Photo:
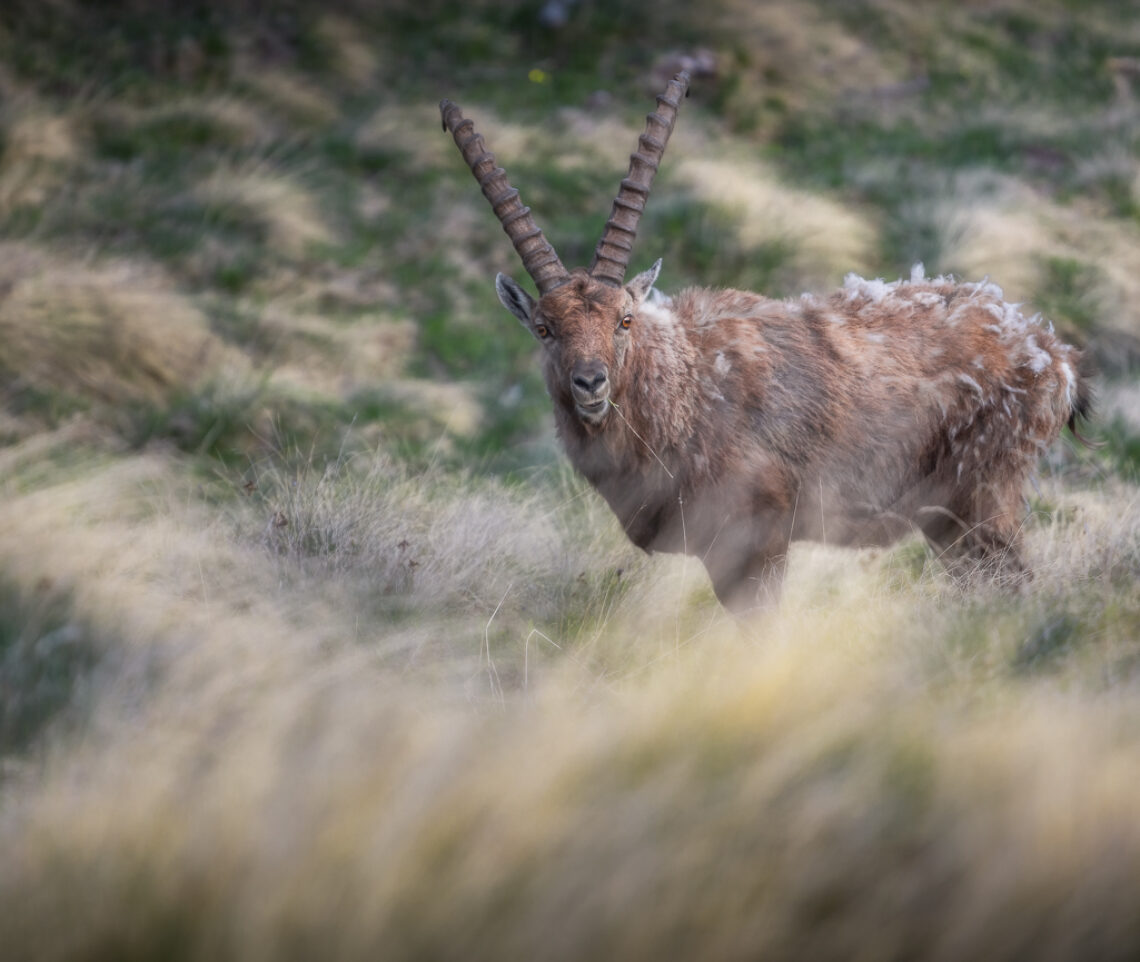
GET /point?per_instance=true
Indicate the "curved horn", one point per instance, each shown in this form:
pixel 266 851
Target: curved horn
pixel 611 258
pixel 538 256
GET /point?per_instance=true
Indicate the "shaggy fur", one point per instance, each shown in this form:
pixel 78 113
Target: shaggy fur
pixel 725 425
pixel 731 424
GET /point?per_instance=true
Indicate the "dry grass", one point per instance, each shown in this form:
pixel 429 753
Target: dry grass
pixel 828 239
pixel 862 770
pixel 338 704
pixel 40 147
pixel 1003 228
pixel 109 332
pixel 306 349
pixel 290 214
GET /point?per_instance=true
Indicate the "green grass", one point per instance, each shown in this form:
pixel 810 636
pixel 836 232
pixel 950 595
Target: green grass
pixel 1121 447
pixel 47 655
pixel 1068 293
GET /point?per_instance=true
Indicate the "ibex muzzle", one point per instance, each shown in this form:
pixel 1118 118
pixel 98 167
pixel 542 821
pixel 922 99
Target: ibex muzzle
pixel 589 383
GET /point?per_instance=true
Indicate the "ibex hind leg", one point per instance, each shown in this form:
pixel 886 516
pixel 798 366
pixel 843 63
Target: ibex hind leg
pixel 981 546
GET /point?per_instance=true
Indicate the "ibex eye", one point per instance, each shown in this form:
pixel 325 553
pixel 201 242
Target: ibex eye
pixel 542 330
pixel 626 320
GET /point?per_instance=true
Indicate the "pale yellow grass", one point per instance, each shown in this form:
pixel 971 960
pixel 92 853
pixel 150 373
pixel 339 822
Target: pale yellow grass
pixel 800 56
pixel 40 147
pixel 414 129
pixel 309 348
pixel 353 58
pixel 309 356
pixel 603 141
pixel 852 772
pixel 290 213
pixel 301 101
pixel 1000 227
pixel 827 238
pixel 112 332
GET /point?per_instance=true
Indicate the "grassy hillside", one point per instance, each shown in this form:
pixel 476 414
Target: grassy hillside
pixel 310 644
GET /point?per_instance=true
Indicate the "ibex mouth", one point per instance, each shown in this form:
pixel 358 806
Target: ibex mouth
pixel 594 412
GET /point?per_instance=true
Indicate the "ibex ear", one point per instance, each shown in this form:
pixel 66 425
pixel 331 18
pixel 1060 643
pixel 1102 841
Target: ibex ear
pixel 641 285
pixel 515 299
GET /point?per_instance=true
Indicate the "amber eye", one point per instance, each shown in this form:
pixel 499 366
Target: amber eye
pixel 542 330
pixel 626 320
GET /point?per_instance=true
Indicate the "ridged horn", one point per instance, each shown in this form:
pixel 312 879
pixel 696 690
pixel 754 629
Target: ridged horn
pixel 611 258
pixel 538 256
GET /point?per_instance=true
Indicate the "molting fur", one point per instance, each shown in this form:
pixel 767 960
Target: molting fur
pixel 725 424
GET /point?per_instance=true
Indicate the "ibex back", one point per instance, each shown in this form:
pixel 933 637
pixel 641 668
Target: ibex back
pixel 724 424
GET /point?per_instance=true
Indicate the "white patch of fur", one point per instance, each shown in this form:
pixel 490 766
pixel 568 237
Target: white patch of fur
pixel 1070 383
pixel 1039 358
pixel 970 383
pixel 711 390
pixel 927 298
pixel 874 337
pixel 917 273
pixel 874 290
pixel 721 364
pixel 984 288
pixel 658 311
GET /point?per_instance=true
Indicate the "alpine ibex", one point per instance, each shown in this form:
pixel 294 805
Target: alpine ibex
pixel 724 424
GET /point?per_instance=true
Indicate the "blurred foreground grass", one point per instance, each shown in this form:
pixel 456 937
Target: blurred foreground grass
pixel 310 647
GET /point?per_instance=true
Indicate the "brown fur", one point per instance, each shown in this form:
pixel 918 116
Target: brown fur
pixel 737 423
pixel 725 425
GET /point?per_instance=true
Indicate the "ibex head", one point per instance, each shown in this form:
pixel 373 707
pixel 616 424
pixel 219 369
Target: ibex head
pixel 585 319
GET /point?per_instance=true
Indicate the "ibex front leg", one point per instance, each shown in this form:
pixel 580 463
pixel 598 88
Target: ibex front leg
pixel 746 564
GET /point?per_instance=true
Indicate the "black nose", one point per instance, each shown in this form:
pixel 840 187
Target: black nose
pixel 590 379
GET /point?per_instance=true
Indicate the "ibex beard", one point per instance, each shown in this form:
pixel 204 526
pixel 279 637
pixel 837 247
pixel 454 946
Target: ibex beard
pixel 725 425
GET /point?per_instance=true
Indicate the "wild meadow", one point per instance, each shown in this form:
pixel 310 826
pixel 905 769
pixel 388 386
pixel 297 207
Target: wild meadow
pixel 311 644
